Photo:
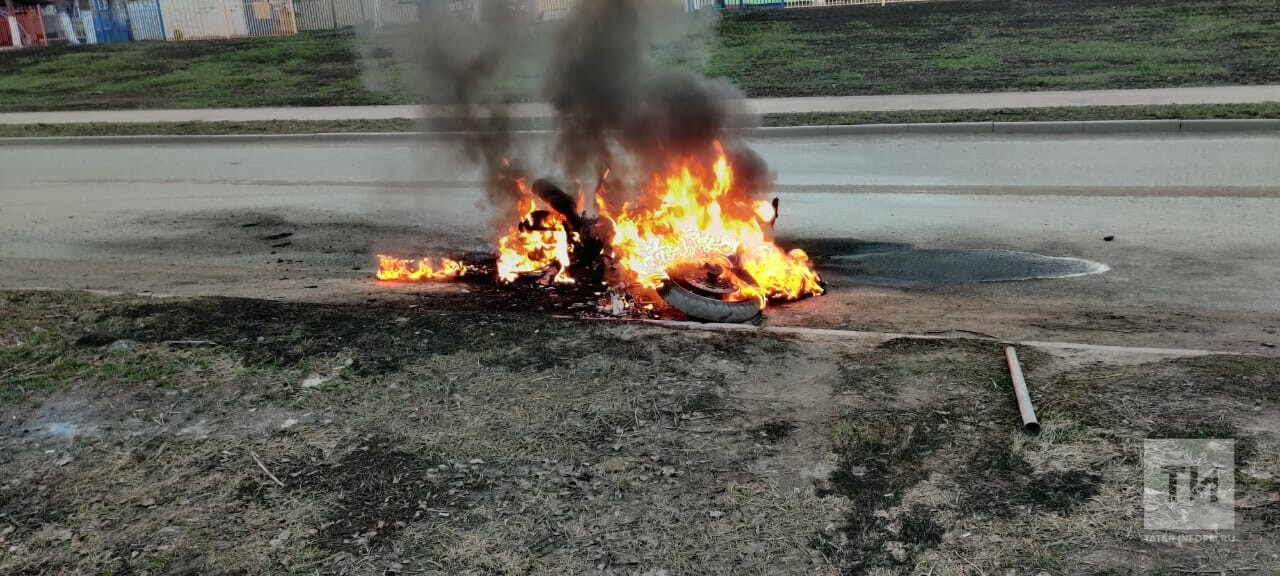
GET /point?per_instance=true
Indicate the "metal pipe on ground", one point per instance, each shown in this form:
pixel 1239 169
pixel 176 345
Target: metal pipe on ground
pixel 1029 422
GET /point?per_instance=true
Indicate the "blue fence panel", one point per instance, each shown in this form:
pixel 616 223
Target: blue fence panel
pixel 732 4
pixel 145 20
pixel 110 21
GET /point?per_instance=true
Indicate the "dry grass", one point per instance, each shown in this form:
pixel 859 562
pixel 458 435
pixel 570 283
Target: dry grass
pixel 533 446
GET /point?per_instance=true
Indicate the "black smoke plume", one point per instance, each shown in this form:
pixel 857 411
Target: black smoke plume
pixel 613 101
pixel 458 55
pixel 615 108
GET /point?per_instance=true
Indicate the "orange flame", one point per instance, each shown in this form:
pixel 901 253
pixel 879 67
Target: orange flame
pixel 390 268
pixel 691 215
pixel 537 242
pixel 696 218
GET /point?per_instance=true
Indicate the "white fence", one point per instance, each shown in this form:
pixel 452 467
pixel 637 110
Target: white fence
pixel 208 19
pixel 333 14
pixel 94 21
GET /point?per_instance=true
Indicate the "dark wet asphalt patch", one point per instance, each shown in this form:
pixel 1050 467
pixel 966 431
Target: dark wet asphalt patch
pixel 921 268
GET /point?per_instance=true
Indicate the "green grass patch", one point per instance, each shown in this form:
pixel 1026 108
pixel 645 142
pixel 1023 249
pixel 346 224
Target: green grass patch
pixel 1268 110
pixel 999 45
pixel 933 47
pixel 38 351
pixel 310 69
pixel 209 128
pixel 45 361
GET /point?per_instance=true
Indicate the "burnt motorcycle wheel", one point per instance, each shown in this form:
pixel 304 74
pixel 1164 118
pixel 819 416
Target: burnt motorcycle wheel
pixel 706 308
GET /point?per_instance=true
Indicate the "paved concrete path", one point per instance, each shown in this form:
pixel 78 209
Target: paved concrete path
pixel 1154 96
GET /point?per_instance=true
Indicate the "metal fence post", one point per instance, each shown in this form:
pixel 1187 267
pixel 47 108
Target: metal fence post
pixel 291 25
pixel 160 17
pixel 226 19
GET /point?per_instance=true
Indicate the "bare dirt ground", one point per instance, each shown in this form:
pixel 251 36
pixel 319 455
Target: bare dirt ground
pixel 240 436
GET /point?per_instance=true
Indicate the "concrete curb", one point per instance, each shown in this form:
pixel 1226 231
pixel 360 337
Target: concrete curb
pixel 1130 126
pixel 1229 125
pixel 1066 128
pixel 212 139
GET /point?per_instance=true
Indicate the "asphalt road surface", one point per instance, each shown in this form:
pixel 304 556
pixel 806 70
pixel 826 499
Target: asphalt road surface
pixel 1192 262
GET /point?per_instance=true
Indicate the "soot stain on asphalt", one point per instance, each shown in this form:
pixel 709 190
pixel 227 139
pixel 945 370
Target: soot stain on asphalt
pixel 854 262
pixel 914 267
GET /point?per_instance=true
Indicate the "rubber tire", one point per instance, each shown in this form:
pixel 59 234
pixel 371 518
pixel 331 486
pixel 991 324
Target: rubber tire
pixel 709 309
